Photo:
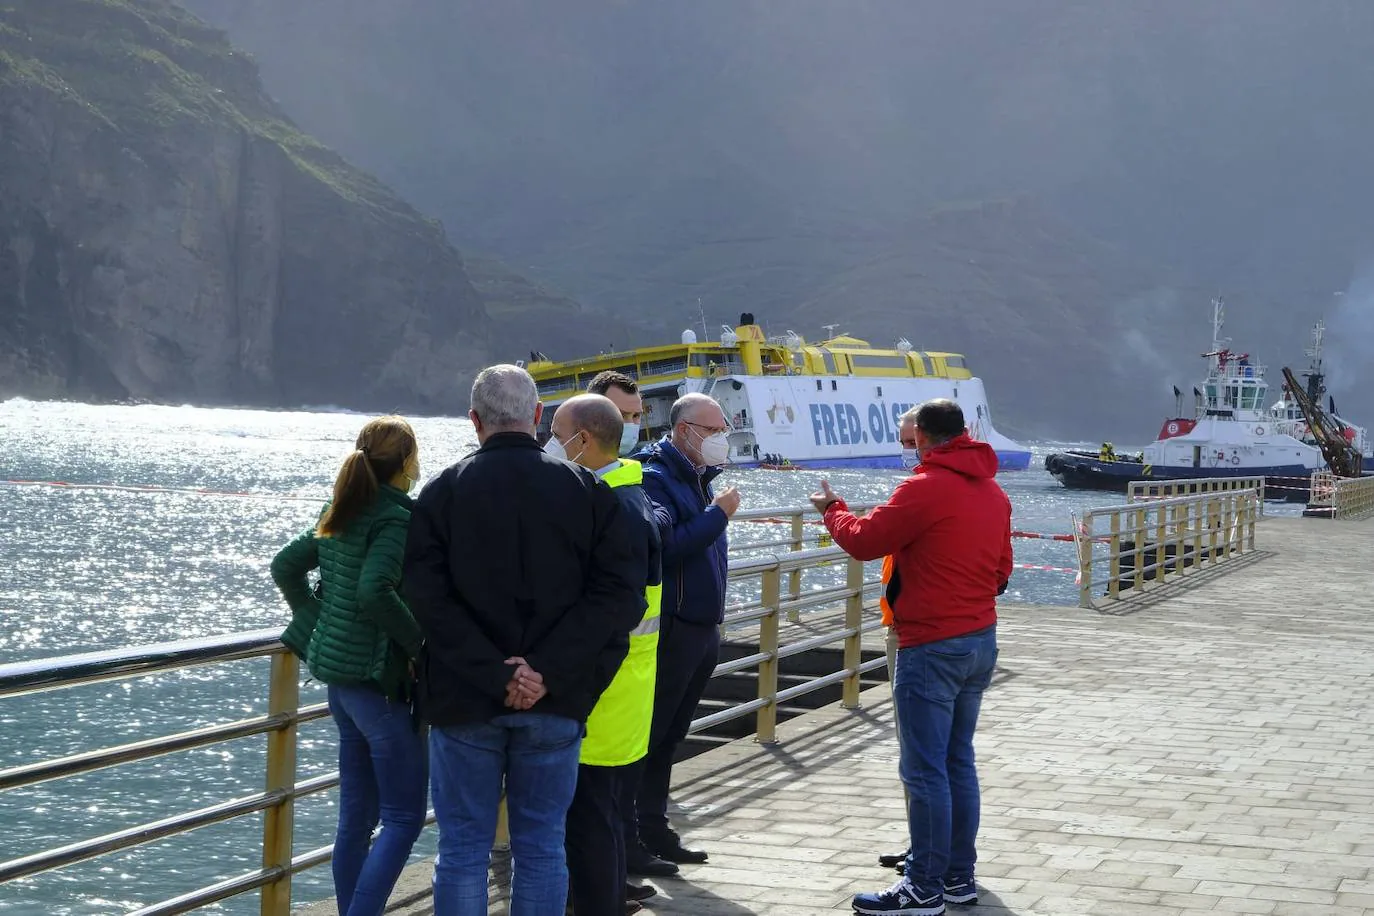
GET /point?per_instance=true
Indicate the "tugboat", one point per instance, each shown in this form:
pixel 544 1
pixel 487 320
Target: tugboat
pixel 1288 416
pixel 1231 434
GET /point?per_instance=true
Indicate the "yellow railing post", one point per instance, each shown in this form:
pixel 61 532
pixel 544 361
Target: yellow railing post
pixel 794 578
pixel 853 622
pixel 1161 544
pixel 1138 539
pixel 1228 520
pixel 1114 568
pixel 1254 507
pixel 283 698
pixel 1213 529
pixel 1195 522
pixel 766 727
pixel 1084 531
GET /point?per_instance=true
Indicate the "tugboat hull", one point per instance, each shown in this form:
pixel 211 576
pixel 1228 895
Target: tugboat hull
pixel 1082 471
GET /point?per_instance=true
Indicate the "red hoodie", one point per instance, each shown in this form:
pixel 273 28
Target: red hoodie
pixel 948 527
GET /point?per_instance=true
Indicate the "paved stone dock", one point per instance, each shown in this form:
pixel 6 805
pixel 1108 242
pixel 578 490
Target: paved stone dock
pixel 1209 751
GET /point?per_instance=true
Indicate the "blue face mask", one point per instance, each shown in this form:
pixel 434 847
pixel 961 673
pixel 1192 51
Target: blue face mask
pixel 911 457
pixel 629 438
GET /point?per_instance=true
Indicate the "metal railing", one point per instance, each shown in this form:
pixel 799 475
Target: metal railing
pixel 796 538
pixel 277 799
pixel 773 602
pixel 1139 490
pixel 1341 497
pixel 769 612
pixel 1127 549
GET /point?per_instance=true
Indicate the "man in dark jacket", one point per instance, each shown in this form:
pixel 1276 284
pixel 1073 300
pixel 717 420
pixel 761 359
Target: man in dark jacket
pixel 948 529
pixel 588 430
pixel 678 470
pixel 521 570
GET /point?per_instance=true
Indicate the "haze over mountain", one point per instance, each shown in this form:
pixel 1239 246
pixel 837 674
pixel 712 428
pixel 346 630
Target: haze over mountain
pixel 1057 188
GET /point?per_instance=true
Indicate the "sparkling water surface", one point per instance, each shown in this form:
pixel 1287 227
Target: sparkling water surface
pixel 84 569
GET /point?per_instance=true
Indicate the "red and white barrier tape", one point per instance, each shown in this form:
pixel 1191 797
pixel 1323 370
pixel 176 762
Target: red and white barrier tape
pixel 145 488
pixel 1063 569
pixel 1016 534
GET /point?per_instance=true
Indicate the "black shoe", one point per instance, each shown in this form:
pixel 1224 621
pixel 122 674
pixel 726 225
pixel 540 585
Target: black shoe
pixel 894 861
pixel 644 864
pixel 670 848
pixel 638 892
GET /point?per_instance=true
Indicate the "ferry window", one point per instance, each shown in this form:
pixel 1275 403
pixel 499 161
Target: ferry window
pixel 868 361
pixel 880 391
pixel 955 362
pixel 834 386
pixel 818 384
pixel 927 364
pixel 829 362
pixel 554 385
pixel 627 370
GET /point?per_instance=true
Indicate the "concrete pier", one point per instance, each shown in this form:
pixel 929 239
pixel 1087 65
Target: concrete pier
pixel 1203 751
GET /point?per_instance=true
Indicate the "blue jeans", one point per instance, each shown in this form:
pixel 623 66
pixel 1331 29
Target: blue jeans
pixel 938 691
pixel 381 778
pixel 536 756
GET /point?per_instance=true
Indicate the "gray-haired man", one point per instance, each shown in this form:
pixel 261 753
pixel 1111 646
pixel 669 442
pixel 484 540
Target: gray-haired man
pixel 522 571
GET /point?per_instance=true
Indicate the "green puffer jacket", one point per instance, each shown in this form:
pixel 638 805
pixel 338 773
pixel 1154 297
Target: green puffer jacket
pixel 358 630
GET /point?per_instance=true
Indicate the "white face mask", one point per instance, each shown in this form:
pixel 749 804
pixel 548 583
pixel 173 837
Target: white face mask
pixel 911 457
pixel 629 438
pixel 558 450
pixel 715 450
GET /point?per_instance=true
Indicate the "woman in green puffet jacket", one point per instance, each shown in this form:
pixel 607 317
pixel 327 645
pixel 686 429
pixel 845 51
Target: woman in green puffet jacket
pixel 358 637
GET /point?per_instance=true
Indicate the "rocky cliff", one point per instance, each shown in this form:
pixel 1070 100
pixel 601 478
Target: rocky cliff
pixel 167 233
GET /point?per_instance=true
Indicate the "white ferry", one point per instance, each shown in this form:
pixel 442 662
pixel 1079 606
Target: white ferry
pixel 791 403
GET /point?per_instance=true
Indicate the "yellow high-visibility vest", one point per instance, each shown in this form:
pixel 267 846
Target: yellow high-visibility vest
pixel 618 728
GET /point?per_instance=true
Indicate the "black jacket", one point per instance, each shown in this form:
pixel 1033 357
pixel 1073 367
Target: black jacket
pixel 514 553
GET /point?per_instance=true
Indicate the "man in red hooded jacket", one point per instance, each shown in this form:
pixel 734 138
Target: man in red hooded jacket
pixel 948 528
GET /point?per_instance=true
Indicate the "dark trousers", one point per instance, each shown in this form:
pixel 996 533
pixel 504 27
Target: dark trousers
pixel 595 843
pixel 687 654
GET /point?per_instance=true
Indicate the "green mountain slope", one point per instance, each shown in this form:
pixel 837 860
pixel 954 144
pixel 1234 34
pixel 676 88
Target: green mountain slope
pixel 170 234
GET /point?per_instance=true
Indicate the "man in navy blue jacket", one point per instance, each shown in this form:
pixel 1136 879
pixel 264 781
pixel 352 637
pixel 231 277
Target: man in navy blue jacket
pixel 678 470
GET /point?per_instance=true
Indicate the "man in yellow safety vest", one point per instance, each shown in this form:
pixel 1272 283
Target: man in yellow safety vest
pixel 587 430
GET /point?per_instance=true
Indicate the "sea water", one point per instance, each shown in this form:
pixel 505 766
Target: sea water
pixel 84 569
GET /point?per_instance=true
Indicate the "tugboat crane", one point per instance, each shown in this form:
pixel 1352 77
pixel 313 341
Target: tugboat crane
pixel 1341 456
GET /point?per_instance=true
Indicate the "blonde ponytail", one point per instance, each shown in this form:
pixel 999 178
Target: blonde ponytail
pixel 383 448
